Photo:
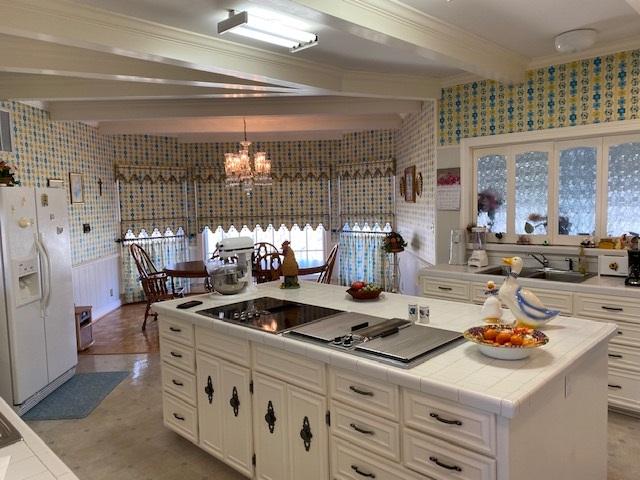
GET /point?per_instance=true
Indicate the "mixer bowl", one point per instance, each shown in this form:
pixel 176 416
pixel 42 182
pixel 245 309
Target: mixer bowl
pixel 227 279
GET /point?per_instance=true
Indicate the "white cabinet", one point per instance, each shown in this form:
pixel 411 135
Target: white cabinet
pixel 224 411
pixel 445 288
pixel 270 427
pixel 308 435
pixel 290 431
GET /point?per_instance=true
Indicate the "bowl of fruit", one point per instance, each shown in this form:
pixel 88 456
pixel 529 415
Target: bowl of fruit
pixel 364 291
pixel 506 342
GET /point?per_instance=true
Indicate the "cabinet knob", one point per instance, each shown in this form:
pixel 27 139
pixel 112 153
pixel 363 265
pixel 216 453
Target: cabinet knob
pixel 208 389
pixel 235 401
pixel 305 434
pixel 270 417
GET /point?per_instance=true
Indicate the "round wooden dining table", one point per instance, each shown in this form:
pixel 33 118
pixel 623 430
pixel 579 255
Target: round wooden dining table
pixel 198 269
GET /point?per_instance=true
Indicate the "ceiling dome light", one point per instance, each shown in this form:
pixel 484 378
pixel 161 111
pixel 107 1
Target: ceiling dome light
pixel 575 40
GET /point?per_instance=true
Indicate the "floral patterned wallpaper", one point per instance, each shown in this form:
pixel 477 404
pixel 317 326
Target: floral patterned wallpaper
pixel 600 89
pixel 415 145
pixel 44 149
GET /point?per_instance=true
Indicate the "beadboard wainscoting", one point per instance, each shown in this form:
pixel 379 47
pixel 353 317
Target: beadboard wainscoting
pixel 97 283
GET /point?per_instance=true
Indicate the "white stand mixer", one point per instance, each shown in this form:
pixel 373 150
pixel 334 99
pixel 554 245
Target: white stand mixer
pixel 232 273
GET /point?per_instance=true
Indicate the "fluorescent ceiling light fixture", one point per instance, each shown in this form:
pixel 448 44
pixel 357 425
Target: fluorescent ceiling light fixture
pixel 271 30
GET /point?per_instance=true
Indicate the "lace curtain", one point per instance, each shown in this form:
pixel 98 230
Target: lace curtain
pixel 361 256
pixel 162 249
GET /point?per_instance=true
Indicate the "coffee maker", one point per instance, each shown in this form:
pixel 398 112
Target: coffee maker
pixel 633 280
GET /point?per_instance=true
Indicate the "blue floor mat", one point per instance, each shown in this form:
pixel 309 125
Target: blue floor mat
pixel 76 398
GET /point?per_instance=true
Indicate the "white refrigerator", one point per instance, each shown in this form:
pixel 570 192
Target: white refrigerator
pixel 37 324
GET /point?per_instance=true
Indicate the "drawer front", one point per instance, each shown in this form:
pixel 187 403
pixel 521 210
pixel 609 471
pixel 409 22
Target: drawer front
pixel 609 308
pixel 365 430
pixel 294 369
pixel 176 330
pixel 624 389
pixel 180 417
pixel 464 426
pixel 177 355
pixel 627 334
pixel 351 463
pixel 224 346
pixel 179 383
pixel 442 461
pixel 624 357
pixel 445 288
pixel 365 393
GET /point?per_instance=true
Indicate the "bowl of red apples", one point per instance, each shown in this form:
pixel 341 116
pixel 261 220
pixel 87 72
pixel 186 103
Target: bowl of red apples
pixel 361 290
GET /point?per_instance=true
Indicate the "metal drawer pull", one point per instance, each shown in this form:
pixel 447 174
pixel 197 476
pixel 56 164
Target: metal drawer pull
pixel 179 417
pixel 612 309
pixel 444 465
pixel 361 430
pixel 177 383
pixel 305 434
pixel 446 289
pixel 360 472
pixel 208 389
pixel 615 355
pixel 235 401
pixel 174 329
pixel 360 391
pixel 444 420
pixel 619 387
pixel 620 332
pixel 177 355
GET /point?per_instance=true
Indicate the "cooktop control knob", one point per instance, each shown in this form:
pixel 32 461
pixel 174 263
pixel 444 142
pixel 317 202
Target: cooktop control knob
pixel 337 341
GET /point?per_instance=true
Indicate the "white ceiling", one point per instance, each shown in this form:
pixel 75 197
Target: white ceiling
pixel 529 26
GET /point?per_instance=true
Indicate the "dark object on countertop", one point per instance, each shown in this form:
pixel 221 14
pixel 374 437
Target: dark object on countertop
pixel 633 280
pixel 191 304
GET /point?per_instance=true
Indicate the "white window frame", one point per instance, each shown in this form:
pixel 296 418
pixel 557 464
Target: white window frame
pixel 608 134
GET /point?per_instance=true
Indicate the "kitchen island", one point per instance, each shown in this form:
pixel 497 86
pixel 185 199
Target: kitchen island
pixel 274 407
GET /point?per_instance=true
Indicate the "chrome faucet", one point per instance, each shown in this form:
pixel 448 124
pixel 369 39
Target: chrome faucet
pixel 541 259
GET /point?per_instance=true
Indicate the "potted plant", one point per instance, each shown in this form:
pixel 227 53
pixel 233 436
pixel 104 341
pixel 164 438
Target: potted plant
pixel 6 175
pixel 393 243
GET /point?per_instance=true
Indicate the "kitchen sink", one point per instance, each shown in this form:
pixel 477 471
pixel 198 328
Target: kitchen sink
pixel 8 433
pixel 541 274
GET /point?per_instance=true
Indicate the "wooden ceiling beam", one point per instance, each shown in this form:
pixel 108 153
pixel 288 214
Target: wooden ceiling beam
pixel 226 107
pixel 391 22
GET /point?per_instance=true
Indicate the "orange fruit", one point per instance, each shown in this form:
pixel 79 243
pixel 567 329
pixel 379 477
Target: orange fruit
pixel 503 337
pixel 516 340
pixel 490 334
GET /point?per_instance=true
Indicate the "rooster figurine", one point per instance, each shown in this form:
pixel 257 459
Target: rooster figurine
pixel 525 306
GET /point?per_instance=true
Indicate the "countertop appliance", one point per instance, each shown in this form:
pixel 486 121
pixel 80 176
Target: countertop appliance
pixel 633 280
pixel 479 256
pixel 231 274
pixel 37 325
pixel 458 247
pixel 269 314
pixel 394 341
pixel 613 265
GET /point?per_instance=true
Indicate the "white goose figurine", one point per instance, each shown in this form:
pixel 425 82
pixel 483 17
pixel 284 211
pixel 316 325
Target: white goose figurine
pixel 523 303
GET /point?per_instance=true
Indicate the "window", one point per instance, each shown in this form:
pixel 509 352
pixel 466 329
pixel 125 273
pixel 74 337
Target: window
pixel 307 242
pixel 559 192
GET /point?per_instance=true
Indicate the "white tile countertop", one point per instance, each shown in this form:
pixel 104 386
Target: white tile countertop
pixel 461 374
pixel 603 285
pixel 30 458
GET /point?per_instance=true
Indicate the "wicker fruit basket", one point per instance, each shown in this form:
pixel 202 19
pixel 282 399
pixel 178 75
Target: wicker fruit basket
pixel 364 294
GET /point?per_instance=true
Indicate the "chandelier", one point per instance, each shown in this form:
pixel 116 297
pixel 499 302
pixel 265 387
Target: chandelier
pixel 240 170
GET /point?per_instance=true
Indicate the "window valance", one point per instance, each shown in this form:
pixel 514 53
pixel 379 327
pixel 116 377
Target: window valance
pixel 374 169
pixel 150 174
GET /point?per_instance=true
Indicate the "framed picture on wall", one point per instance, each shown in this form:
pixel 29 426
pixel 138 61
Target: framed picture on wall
pixel 409 184
pixel 76 188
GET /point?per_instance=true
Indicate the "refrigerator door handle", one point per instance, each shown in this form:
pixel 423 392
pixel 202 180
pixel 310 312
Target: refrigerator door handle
pixel 45 276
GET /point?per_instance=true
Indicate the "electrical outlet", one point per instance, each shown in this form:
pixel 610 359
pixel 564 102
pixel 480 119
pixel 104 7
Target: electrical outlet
pixel 111 292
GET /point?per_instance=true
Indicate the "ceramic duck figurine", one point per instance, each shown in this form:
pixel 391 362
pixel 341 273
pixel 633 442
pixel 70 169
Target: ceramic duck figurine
pixel 524 304
pixel 491 309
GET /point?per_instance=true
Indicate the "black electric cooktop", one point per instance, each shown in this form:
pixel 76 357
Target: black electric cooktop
pixel 269 314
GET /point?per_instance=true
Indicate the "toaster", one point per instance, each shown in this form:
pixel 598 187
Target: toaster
pixel 613 265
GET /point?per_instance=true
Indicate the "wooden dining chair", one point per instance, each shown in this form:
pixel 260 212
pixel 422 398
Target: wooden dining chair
pixel 268 267
pixel 327 272
pixel 154 282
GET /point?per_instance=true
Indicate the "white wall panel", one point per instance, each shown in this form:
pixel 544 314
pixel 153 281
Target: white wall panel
pixel 97 283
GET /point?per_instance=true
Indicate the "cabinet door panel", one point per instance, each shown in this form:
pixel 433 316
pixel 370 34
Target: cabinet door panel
pixel 308 436
pixel 210 403
pixel 236 417
pixel 270 428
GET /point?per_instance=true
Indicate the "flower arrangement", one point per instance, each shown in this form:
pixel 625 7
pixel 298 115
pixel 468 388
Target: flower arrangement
pixel 393 242
pixel 7 176
pixel 489 202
